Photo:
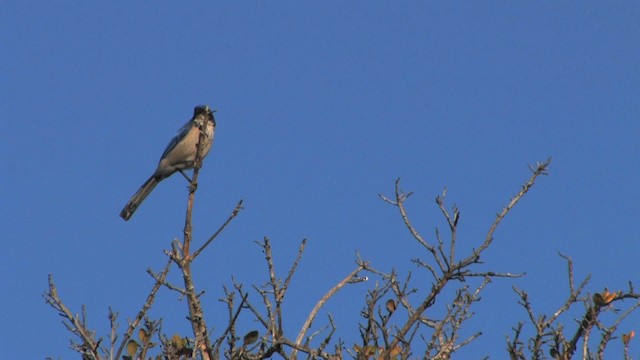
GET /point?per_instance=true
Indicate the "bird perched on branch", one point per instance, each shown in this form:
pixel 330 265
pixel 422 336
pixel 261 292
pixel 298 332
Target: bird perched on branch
pixel 179 155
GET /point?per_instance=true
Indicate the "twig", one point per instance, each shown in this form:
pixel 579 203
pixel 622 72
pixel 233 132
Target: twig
pixel 457 270
pixel 573 293
pixel 232 322
pixel 234 213
pixel 75 326
pixel 515 347
pixel 323 300
pixel 251 307
pixel 294 266
pixel 147 305
pixel 113 316
pixel 540 169
pixel 452 222
pixel 608 332
pixel 400 198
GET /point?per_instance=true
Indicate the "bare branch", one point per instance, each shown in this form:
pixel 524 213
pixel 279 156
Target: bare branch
pixel 145 307
pixel 234 213
pixel 540 169
pixel 453 225
pixel 232 322
pixel 113 337
pixel 294 266
pixel 608 332
pixel 196 315
pixel 399 202
pixel 251 307
pixel 320 304
pixel 89 345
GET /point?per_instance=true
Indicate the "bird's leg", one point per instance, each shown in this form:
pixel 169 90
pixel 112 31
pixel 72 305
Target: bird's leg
pixel 191 186
pixel 185 175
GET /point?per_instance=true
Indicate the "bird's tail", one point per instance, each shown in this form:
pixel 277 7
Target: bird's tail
pixel 138 198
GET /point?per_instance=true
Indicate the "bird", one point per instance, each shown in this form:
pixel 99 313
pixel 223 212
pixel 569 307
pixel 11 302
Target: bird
pixel 179 155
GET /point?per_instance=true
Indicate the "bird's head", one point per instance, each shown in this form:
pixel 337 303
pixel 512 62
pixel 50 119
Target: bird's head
pixel 206 113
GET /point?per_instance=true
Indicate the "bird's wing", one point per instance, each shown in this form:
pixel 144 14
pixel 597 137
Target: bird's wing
pixel 179 136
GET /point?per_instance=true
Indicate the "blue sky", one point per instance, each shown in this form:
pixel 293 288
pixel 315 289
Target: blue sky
pixel 321 106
